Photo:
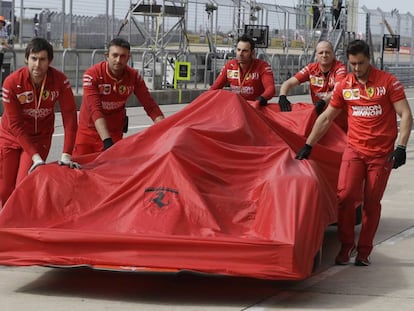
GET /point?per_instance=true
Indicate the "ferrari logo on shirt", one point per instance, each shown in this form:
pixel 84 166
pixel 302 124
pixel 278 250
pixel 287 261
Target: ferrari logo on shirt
pixel 45 95
pixel 122 89
pixel 370 92
pixel 25 97
pixel 350 94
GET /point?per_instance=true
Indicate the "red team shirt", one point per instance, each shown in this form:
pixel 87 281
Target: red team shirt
pixel 106 97
pixel 28 118
pixel 372 119
pixel 320 83
pixel 254 82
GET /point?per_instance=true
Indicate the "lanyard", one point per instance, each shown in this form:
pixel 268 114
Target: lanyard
pixel 244 78
pixel 38 101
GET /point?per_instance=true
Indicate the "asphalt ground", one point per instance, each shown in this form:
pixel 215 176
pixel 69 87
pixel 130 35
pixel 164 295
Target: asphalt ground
pixel 388 284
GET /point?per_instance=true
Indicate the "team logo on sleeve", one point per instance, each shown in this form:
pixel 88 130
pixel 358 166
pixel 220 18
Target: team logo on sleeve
pixel 25 97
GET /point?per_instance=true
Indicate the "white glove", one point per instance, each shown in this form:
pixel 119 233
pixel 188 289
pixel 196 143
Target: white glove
pixel 66 159
pixel 37 161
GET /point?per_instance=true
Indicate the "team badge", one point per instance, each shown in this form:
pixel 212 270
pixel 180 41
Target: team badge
pixel 25 97
pixel 350 94
pixel 347 94
pixel 122 89
pixel 232 74
pixel 45 95
pixel 317 81
pixel 370 92
pixel 355 93
pixel 104 89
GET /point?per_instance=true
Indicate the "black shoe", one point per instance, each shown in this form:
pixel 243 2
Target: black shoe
pixel 362 261
pixel 344 255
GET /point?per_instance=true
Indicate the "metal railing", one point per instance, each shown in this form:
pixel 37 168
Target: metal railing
pixel 205 66
pixel 77 71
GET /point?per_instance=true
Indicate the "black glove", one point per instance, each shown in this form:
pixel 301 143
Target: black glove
pixel 107 142
pixel 399 155
pixel 262 101
pixel 126 121
pixel 284 103
pixel 319 106
pixel 304 153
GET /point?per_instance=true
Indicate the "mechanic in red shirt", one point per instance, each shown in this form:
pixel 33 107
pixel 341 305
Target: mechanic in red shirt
pixel 322 75
pixel 106 88
pixel 27 123
pixel 248 76
pixel 372 98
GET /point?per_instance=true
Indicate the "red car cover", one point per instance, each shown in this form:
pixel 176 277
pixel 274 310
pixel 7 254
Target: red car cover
pixel 214 188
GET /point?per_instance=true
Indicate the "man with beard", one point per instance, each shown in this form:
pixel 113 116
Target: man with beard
pixel 106 89
pixel 372 98
pixel 246 75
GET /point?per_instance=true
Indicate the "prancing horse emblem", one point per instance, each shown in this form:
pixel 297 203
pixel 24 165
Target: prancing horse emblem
pixel 158 199
pixel 161 196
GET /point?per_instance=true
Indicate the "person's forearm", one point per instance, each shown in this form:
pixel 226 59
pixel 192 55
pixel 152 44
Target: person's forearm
pixel 102 129
pixel 284 89
pixel 288 85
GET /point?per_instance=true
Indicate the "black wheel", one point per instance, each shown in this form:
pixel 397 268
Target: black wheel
pixel 317 260
pixel 358 215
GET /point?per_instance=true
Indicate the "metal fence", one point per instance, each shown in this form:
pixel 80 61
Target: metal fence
pixel 205 33
pixel 91 26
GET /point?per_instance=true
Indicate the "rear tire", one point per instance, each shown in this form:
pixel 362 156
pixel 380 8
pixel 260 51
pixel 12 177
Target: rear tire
pixel 358 215
pixel 317 260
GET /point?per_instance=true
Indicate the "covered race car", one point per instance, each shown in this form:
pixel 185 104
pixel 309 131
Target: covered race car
pixel 214 188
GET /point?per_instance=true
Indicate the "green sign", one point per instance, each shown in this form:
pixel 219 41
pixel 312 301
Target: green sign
pixel 182 71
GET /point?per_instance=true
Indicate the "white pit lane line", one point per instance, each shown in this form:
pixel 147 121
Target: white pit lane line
pixel 284 295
